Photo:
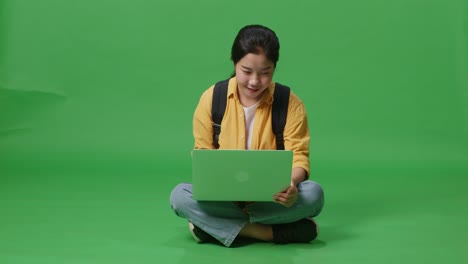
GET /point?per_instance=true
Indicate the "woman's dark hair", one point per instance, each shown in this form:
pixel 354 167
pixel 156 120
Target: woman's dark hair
pixel 255 39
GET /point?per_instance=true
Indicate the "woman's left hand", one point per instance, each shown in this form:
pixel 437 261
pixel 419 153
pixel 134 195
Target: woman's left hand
pixel 287 197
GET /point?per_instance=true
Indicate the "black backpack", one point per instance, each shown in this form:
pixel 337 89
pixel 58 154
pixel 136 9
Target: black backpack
pixel 279 111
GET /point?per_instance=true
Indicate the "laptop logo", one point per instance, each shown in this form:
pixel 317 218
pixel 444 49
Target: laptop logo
pixel 242 176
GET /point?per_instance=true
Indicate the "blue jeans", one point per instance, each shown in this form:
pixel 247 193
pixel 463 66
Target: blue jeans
pixel 224 220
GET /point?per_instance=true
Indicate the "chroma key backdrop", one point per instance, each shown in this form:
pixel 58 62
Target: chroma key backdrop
pixel 96 106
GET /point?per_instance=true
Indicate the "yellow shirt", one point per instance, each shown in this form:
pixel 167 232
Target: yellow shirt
pixel 233 136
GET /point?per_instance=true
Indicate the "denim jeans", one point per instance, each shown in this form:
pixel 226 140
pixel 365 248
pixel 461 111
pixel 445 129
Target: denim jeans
pixel 224 220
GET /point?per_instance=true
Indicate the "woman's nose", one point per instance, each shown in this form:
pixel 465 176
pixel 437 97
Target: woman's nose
pixel 253 81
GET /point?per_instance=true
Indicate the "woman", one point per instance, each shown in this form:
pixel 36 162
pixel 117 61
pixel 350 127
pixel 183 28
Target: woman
pixel 288 218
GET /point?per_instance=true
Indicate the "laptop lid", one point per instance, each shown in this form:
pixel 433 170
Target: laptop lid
pixel 240 175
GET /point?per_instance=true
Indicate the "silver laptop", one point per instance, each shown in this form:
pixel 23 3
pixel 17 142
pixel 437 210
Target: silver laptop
pixel 240 175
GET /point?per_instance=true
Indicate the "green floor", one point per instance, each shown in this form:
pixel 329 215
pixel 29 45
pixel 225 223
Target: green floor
pixel 97 215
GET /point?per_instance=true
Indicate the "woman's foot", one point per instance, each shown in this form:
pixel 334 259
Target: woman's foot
pixel 302 231
pixel 199 235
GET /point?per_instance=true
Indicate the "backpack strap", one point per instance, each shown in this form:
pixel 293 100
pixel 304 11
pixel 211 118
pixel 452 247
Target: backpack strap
pixel 217 108
pixel 280 113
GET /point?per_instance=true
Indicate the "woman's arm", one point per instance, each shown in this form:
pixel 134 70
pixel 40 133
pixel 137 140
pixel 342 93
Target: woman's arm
pixel 297 138
pixel 202 124
pixel 298 175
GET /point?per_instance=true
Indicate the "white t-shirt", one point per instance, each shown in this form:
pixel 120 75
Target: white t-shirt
pixel 249 113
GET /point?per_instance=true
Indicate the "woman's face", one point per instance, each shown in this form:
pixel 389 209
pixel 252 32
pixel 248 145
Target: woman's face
pixel 254 73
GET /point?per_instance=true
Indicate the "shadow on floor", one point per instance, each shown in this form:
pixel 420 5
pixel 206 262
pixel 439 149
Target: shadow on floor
pixel 243 242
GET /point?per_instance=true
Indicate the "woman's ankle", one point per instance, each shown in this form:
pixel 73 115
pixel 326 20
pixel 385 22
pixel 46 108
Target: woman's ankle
pixel 257 231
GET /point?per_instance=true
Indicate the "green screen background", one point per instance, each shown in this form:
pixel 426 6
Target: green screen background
pixel 97 97
pixel 384 83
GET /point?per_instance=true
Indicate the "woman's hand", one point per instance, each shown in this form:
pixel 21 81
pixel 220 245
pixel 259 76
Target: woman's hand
pixel 287 197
